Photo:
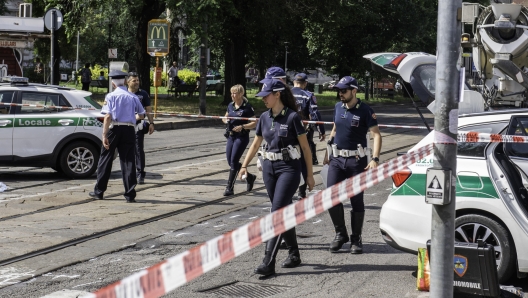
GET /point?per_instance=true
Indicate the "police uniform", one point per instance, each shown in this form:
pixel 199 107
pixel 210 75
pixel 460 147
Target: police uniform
pixel 307 104
pixel 281 177
pixel 122 105
pixel 352 125
pixel 237 143
pixel 144 99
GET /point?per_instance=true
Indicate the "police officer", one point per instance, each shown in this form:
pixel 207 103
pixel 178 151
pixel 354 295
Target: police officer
pixel 307 105
pixel 237 134
pixel 142 126
pixel 348 142
pixel 276 72
pixel 285 135
pixel 120 109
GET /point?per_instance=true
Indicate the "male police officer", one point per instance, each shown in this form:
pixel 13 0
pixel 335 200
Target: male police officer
pixel 308 108
pixel 120 109
pixel 133 86
pixel 348 141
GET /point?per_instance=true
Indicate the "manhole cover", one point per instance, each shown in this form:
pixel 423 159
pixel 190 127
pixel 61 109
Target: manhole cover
pixel 246 290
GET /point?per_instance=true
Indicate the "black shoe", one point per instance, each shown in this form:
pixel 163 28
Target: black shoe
pixel 228 192
pixel 293 260
pixel 357 245
pixel 250 180
pixel 141 180
pixel 315 162
pixel 131 201
pixel 95 196
pixel 267 267
pixel 338 242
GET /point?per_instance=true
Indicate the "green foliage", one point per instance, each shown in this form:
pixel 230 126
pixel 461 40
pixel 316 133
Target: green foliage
pixel 96 70
pixel 163 78
pixel 188 76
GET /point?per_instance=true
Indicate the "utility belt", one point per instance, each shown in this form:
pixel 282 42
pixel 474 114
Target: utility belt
pixel 361 152
pixel 234 133
pixel 286 154
pixel 115 123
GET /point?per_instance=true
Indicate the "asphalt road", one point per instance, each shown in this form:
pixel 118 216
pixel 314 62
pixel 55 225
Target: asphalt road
pixel 181 205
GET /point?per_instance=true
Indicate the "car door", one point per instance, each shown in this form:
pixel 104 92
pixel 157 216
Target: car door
pixel 518 152
pixel 38 129
pixel 6 125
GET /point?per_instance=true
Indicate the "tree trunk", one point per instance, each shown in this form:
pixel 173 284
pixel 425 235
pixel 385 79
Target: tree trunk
pixel 235 58
pixel 151 10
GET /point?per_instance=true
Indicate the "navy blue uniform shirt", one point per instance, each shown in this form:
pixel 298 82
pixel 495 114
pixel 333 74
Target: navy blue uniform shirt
pixel 352 125
pixel 245 111
pixel 144 98
pixel 307 106
pixel 281 130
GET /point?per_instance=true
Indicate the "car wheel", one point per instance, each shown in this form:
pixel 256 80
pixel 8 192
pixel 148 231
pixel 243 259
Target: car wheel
pixel 470 228
pixel 79 160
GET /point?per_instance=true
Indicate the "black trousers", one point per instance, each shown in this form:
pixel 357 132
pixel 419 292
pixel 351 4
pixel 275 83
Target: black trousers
pixel 123 138
pixel 86 86
pixel 140 151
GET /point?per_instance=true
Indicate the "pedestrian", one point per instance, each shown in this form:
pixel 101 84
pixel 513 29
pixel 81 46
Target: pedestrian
pixel 276 72
pixel 142 127
pixel 101 76
pixel 86 77
pixel 237 134
pixel 307 104
pixel 284 132
pixel 39 71
pixel 121 109
pixel 348 141
pixel 173 76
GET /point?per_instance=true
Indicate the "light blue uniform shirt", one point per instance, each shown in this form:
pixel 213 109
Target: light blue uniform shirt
pixel 122 105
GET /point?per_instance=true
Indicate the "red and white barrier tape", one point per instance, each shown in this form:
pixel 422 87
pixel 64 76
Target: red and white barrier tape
pixel 478 137
pixel 44 106
pixel 168 275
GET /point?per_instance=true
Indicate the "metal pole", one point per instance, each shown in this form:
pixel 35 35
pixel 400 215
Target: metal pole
pixel 109 45
pixel 77 59
pixel 52 68
pixel 447 86
pixel 203 67
pixel 156 89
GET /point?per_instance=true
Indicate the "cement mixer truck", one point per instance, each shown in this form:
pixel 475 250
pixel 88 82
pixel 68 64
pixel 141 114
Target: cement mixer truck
pixel 495 52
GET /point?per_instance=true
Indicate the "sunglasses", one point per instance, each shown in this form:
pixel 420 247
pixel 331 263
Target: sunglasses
pixel 133 74
pixel 342 91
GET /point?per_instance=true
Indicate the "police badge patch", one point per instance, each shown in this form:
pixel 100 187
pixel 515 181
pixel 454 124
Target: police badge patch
pixel 460 263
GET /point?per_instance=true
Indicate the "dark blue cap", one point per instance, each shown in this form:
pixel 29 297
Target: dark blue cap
pixel 301 77
pixel 117 74
pixel 346 83
pixel 275 73
pixel 270 85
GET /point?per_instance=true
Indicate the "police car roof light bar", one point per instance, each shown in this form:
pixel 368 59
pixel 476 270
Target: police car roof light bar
pixel 15 80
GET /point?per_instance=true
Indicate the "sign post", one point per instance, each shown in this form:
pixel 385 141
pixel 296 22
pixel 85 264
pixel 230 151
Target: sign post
pixel 53 21
pixel 158 36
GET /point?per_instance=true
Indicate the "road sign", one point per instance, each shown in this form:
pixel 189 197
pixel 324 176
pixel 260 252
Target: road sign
pixel 112 53
pixel 158 36
pixel 437 186
pixel 58 19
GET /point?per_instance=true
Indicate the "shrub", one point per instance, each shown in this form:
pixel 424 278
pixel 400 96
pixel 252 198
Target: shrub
pixel 188 76
pixel 163 77
pixel 95 69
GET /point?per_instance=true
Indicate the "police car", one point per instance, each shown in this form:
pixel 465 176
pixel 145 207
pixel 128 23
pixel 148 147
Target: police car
pixel 491 193
pixel 67 140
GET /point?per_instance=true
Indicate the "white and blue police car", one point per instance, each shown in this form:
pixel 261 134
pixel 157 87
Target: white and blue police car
pixel 35 135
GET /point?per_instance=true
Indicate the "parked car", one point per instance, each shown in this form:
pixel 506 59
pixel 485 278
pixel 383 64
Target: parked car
pixel 213 79
pixel 67 140
pixel 491 193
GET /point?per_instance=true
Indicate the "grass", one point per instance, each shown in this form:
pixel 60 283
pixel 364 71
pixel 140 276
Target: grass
pixel 190 105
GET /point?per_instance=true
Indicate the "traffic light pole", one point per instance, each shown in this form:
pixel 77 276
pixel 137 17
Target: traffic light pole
pixel 446 128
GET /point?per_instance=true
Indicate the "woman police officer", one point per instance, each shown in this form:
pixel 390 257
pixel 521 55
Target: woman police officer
pixel 237 134
pixel 283 131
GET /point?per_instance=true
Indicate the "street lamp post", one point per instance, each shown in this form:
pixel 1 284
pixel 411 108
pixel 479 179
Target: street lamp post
pixel 109 44
pixel 286 57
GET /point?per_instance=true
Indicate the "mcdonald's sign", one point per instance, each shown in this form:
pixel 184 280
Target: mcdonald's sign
pixel 158 36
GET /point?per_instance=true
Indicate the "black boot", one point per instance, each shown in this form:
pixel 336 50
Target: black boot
pixel 301 194
pixel 267 267
pixel 337 214
pixel 356 219
pixel 294 258
pixel 250 180
pixel 313 148
pixel 231 182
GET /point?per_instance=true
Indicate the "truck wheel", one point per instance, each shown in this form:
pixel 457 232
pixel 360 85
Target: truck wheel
pixel 471 227
pixel 79 160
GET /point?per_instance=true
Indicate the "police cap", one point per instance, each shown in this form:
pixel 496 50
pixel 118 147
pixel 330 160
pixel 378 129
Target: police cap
pixel 117 74
pixel 301 77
